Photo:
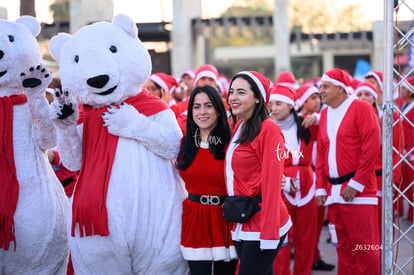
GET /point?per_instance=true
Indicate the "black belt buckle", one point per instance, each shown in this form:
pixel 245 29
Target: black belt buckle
pixel 207 199
pixel 210 200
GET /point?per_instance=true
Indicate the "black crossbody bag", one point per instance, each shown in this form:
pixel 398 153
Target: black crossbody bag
pixel 241 208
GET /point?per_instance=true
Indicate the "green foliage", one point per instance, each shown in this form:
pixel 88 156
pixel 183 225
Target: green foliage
pixel 318 16
pixel 249 8
pixel 236 37
pixel 60 10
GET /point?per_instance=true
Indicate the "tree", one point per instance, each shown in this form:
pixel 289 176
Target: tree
pixel 318 16
pixel 27 7
pixel 249 8
pixel 60 10
pixel 246 8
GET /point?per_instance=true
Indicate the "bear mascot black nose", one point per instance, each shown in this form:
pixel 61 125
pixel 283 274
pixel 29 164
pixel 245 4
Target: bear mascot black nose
pixel 98 81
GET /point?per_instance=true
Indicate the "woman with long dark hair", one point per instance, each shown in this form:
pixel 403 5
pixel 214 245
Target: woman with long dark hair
pixel 205 240
pixel 254 169
pixel 299 190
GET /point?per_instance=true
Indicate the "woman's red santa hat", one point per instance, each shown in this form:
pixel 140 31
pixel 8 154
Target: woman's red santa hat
pixel 287 79
pixel 224 84
pixel 284 94
pixel 206 71
pixel 262 82
pixel 188 72
pixel 366 86
pixel 304 92
pixel 378 77
pixel 165 81
pixel 354 83
pixel 339 78
pixel 409 84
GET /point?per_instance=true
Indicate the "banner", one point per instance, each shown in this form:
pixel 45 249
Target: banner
pixel 361 68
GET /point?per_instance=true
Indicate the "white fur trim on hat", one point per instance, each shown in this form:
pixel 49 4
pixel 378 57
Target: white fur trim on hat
pixel 335 82
pixel 408 86
pixel 283 98
pixel 187 72
pixel 205 73
pixel 159 81
pixel 258 83
pixel 312 90
pixel 288 84
pixel 368 89
pixel 377 78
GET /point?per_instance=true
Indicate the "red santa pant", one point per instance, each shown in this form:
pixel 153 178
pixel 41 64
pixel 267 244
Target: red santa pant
pixel 321 219
pixel 359 250
pixel 407 178
pixel 304 221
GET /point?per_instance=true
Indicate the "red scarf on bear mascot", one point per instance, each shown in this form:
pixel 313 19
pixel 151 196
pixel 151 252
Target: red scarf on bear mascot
pixel 9 186
pixel 98 152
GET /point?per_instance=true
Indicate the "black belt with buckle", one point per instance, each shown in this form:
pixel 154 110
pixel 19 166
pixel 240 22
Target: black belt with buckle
pixel 342 179
pixel 207 199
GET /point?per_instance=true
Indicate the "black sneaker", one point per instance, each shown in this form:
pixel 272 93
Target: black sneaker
pixel 321 265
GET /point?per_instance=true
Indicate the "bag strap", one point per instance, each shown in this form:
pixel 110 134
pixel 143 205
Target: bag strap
pixel 257 198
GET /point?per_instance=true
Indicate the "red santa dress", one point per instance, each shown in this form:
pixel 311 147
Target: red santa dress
pixel 301 205
pixel 205 234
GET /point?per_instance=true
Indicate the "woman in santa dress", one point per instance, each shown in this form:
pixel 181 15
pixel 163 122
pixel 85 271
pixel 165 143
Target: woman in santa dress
pixel 254 165
pixel 205 240
pixel 299 190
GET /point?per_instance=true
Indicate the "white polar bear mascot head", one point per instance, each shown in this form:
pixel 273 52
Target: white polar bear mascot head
pixel 100 69
pixel 19 50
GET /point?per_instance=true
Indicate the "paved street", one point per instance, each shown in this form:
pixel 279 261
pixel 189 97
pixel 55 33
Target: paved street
pixel 405 251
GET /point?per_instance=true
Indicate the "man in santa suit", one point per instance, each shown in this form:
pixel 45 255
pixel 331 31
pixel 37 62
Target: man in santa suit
pixel 205 75
pixel 347 149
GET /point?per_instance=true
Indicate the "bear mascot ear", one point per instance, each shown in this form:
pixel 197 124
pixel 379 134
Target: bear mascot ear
pixel 126 23
pixel 31 23
pixel 56 43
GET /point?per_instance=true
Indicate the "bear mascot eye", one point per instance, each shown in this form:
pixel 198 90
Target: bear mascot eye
pixel 11 38
pixel 76 58
pixel 113 49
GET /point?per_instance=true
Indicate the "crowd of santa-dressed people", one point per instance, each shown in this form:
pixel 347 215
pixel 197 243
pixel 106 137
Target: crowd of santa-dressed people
pixel 325 134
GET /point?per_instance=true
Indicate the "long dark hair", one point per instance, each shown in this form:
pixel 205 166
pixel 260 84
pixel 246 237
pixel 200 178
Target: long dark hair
pixel 252 126
pixel 190 143
pixel 302 132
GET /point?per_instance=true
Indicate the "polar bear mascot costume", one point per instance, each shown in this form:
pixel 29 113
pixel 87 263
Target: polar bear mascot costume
pixel 125 213
pixel 33 204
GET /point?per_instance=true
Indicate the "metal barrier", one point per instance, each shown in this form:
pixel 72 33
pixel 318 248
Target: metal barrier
pixel 397 232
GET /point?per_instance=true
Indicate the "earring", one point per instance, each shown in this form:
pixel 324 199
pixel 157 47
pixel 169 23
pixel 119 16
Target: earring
pixel 257 101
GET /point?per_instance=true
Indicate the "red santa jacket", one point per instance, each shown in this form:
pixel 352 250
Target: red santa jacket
pixel 253 168
pixel 348 142
pixel 299 165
